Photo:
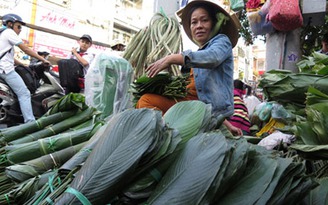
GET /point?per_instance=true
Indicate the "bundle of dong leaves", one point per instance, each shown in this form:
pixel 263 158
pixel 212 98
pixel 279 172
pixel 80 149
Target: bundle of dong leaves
pixel 141 157
pixel 286 87
pixel 29 153
pixel 163 84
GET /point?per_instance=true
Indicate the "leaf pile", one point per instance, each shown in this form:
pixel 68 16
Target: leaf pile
pixel 316 63
pixel 162 84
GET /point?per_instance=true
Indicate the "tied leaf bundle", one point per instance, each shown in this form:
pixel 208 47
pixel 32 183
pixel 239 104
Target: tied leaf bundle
pixel 160 38
pixel 161 84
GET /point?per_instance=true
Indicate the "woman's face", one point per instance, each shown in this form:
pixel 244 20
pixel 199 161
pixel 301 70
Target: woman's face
pixel 201 26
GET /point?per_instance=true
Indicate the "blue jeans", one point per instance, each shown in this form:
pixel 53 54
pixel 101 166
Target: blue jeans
pixel 17 84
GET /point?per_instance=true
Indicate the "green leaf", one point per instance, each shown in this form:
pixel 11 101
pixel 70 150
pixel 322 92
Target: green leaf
pixel 189 118
pixel 111 165
pixel 190 176
pixel 258 175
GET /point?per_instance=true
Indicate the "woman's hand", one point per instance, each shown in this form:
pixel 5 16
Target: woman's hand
pixel 157 67
pixel 164 63
pixel 234 130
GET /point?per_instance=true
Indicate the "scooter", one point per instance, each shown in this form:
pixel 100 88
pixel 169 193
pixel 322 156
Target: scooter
pixel 45 96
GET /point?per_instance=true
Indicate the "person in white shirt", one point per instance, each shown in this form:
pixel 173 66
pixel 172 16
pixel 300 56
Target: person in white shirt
pixel 81 53
pixel 9 38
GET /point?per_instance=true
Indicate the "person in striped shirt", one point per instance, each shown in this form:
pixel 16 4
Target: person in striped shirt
pixel 240 118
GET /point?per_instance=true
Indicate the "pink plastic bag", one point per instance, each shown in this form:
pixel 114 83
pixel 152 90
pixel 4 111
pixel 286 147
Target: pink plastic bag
pixel 285 15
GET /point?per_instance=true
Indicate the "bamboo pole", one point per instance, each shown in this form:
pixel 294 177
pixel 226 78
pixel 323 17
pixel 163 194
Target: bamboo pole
pixel 47 30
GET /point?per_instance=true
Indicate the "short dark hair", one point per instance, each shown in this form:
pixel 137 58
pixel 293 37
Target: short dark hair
pixel 325 37
pixel 239 84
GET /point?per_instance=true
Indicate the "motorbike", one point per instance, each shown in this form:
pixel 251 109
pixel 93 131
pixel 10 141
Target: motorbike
pixel 45 96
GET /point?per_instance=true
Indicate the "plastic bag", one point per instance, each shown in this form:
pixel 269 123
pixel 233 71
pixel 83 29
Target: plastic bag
pixel 107 83
pixel 274 139
pixel 251 102
pixel 280 113
pixel 258 21
pixel 237 5
pixel 285 15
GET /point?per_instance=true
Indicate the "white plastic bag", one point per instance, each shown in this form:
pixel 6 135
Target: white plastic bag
pixel 274 139
pixel 107 84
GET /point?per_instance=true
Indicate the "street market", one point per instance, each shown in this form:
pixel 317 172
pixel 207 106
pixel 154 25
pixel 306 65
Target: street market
pixel 156 122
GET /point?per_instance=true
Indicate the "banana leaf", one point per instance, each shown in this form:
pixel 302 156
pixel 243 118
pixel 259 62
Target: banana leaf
pixel 83 154
pixel 258 175
pixel 162 84
pixel 31 150
pixel 314 96
pixel 111 165
pixel 188 118
pixel 26 170
pixel 314 131
pixel 300 188
pixel 51 190
pixel 319 195
pixel 285 183
pixel 16 132
pixel 111 96
pixel 57 128
pixel 21 192
pixel 65 173
pixel 21 172
pixel 311 152
pixel 193 172
pixel 71 101
pixel 6 184
pixel 291 87
pixel 231 172
pixel 283 164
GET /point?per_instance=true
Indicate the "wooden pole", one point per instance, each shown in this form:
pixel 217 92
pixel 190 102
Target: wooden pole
pixel 39 28
pixel 47 30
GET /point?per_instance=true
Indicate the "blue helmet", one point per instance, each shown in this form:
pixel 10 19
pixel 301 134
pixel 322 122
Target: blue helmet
pixel 12 18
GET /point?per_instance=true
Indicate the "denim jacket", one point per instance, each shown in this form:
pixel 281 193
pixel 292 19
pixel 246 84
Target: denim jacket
pixel 213 72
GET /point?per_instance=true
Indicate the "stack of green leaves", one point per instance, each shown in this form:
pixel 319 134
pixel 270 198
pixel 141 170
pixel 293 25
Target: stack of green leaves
pixel 28 169
pixel 319 195
pixel 22 192
pixel 79 118
pixel 162 84
pixel 313 129
pixel 133 136
pixel 190 162
pixel 61 135
pixel 256 176
pixel 316 63
pixel 30 150
pixel 65 174
pixel 286 87
pixel 188 118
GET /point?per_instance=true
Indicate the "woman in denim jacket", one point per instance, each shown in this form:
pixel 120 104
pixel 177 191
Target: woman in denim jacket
pixel 215 32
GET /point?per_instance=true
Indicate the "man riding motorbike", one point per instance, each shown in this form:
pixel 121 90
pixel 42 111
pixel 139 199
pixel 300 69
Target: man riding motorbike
pixel 9 38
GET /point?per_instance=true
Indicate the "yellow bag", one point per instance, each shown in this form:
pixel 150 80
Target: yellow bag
pixel 270 127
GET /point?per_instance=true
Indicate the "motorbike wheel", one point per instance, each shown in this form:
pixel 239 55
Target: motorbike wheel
pixel 3 115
